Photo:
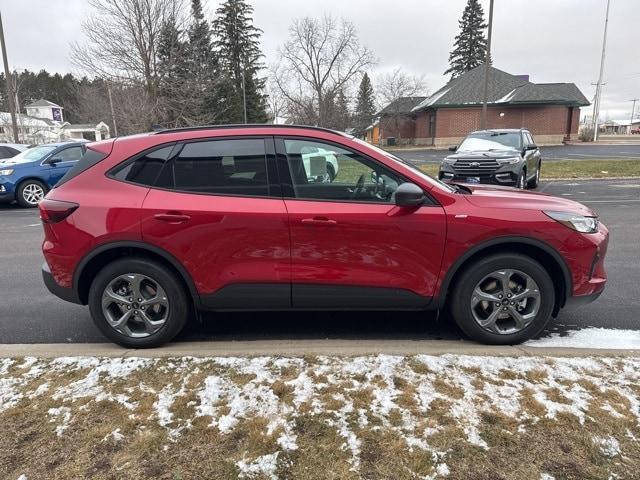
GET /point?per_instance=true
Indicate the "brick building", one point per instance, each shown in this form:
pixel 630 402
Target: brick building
pixel 551 111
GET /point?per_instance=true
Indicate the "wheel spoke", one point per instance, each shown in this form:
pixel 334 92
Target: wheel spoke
pixel 480 295
pixel 110 297
pixel 490 322
pixel 121 321
pixel 151 326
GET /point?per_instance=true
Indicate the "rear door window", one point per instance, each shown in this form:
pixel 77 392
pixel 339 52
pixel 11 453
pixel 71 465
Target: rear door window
pixel 219 167
pixel 144 169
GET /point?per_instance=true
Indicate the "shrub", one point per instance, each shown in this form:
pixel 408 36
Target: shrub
pixel 586 134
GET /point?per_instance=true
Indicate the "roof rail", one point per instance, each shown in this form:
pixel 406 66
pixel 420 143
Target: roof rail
pixel 158 130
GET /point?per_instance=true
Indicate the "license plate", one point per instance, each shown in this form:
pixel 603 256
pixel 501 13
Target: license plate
pixel 473 179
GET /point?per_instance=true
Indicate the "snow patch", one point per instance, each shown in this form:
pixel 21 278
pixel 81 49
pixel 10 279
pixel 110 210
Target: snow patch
pixel 63 414
pixel 264 465
pixel 591 338
pixel 609 446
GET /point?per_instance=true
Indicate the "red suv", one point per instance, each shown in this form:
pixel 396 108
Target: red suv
pixel 149 228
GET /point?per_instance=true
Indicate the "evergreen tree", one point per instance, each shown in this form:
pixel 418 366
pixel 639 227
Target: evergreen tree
pixel 237 43
pixel 172 70
pixel 470 46
pixel 365 104
pixel 342 113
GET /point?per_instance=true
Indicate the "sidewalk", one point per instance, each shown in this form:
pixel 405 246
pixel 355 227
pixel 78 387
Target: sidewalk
pixel 289 348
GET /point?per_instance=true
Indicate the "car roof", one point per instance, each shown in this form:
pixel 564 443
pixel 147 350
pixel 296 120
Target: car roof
pixel 161 130
pixel 500 130
pixel 17 146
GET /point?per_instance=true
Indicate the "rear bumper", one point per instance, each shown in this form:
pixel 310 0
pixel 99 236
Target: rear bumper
pixel 65 293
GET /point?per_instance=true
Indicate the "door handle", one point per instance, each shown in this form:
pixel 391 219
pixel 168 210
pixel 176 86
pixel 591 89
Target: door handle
pixel 172 217
pixel 321 221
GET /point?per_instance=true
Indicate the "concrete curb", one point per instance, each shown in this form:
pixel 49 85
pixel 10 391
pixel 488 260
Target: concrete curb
pixel 303 347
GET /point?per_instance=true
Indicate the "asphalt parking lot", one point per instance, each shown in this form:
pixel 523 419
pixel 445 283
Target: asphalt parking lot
pixel 556 152
pixel 29 314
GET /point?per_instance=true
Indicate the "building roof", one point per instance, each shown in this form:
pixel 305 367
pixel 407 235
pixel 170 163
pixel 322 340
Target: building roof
pixel 43 103
pixel 503 89
pixel 402 105
pixel 81 126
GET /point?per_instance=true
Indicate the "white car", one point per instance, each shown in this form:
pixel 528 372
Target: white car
pixel 8 150
pixel 320 165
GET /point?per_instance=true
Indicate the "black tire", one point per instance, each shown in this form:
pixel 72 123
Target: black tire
pixel 533 183
pixel 463 290
pixel 179 305
pixel 21 195
pixel 521 183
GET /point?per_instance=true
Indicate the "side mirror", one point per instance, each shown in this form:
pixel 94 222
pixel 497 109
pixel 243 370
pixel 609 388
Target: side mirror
pixel 453 148
pixel 409 195
pixel 53 161
pixel 531 146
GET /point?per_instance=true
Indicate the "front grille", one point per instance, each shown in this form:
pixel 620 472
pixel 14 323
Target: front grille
pixel 475 166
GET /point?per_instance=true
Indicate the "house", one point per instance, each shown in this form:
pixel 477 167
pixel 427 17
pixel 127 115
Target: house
pixel 44 123
pixel 620 127
pixel 551 111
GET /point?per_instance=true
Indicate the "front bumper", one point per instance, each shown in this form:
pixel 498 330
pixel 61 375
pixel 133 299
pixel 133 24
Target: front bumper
pixel 7 192
pixel 68 294
pixel 506 175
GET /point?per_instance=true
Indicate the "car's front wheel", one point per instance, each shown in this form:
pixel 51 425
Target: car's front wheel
pixel 521 182
pixel 503 299
pixel 30 192
pixel 138 303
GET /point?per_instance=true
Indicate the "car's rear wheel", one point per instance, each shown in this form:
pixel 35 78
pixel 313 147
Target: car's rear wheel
pixel 138 303
pixel 503 299
pixel 30 192
pixel 535 181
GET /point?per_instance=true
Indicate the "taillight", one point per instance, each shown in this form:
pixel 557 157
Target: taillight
pixel 54 211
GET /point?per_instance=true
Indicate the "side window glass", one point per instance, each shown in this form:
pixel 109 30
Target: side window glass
pixel 225 167
pixel 327 172
pixel 71 154
pixel 144 169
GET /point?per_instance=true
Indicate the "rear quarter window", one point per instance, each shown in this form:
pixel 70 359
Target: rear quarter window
pixel 88 160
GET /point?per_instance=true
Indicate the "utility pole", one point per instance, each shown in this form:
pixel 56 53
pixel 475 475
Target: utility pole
pixel 244 98
pixel 487 62
pixel 633 110
pixel 596 103
pixel 113 115
pixel 8 78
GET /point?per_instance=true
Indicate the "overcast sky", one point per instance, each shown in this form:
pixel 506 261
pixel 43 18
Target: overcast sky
pixel 551 40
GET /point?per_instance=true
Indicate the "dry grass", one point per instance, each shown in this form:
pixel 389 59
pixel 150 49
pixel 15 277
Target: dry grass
pixel 593 168
pixel 373 417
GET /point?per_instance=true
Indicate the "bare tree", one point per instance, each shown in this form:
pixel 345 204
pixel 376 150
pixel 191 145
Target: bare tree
pixel 320 58
pixel 395 91
pixel 122 44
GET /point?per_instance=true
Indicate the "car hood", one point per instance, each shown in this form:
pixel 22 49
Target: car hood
pixel 489 196
pixel 480 154
pixel 7 163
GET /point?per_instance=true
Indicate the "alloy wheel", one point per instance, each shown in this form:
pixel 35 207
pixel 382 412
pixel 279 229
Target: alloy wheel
pixel 32 193
pixel 135 305
pixel 505 301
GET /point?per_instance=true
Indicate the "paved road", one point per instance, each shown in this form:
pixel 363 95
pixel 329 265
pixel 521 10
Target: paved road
pixel 29 314
pixel 560 152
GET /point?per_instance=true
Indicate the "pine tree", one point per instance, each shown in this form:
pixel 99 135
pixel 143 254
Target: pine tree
pixel 470 45
pixel 172 70
pixel 365 104
pixel 237 42
pixel 342 113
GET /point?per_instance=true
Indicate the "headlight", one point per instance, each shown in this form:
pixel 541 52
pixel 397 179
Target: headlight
pixel 508 161
pixel 6 171
pixel 575 221
pixel 448 161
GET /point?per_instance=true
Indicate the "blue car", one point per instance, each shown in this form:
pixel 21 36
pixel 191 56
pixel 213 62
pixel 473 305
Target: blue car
pixel 27 177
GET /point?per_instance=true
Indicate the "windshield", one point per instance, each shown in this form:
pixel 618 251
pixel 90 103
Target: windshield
pixel 428 178
pixel 488 141
pixel 31 154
